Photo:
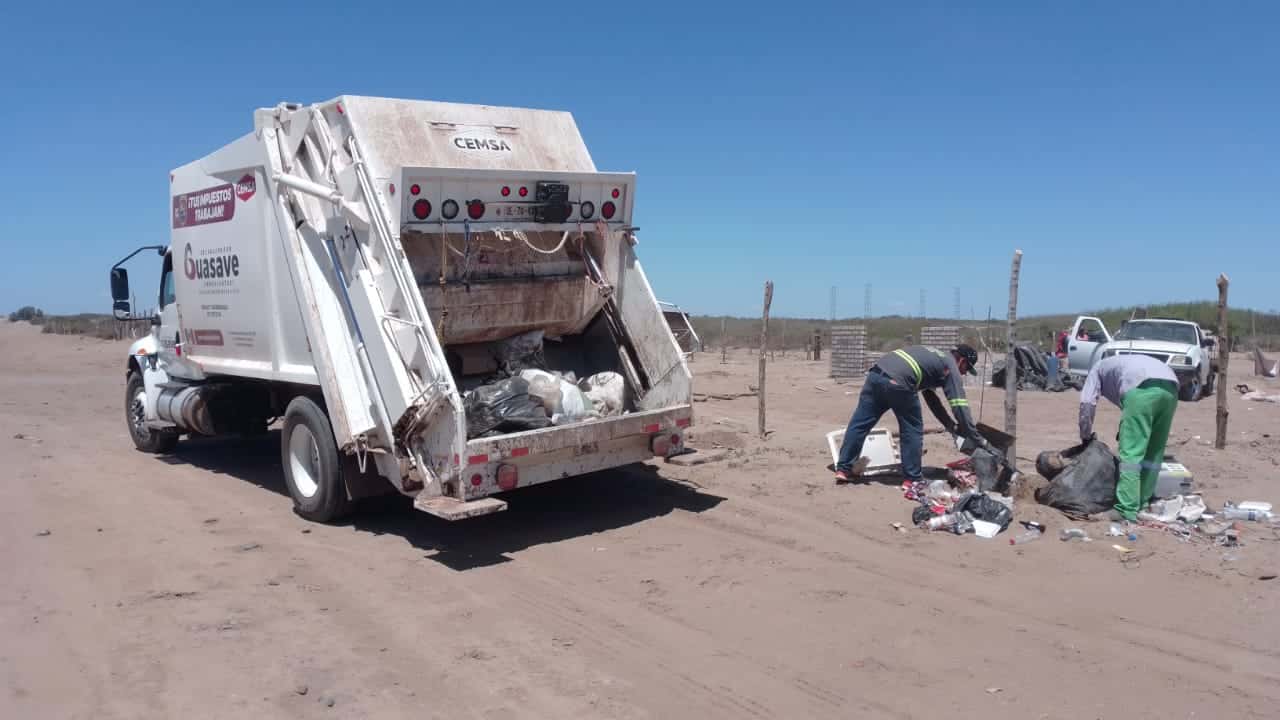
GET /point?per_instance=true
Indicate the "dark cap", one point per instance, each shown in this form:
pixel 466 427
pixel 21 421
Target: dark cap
pixel 968 353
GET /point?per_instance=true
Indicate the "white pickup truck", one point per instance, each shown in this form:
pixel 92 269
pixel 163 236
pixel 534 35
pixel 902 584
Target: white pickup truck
pixel 1181 344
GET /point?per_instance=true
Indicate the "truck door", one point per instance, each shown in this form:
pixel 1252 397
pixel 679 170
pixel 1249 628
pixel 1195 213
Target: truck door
pixel 169 333
pixel 1087 335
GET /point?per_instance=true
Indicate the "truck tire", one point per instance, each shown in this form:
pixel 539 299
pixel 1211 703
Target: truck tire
pixel 1212 382
pixel 1192 390
pixel 312 468
pixel 146 439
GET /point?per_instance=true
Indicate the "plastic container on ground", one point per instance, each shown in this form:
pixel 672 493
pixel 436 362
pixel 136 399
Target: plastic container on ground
pixel 1026 537
pixel 1073 534
pixel 1238 513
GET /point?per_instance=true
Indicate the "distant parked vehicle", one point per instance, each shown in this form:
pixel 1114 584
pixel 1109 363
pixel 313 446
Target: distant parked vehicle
pixel 1188 350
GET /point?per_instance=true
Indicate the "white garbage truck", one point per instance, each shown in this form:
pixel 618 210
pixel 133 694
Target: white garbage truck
pixel 355 267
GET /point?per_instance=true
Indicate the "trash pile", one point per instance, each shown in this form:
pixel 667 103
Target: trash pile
pixel 1033 372
pixel 524 395
pixel 957 505
pixel 1082 479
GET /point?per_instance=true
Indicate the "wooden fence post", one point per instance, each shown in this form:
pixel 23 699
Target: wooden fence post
pixel 1011 362
pixel 1224 355
pixel 764 342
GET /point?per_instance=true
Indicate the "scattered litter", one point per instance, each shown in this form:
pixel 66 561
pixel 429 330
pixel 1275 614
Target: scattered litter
pixel 1025 537
pixel 18 436
pixel 1252 513
pixel 44 533
pixel 248 546
pixel 986 530
pixel 819 388
pixel 898 526
pixel 301 689
pixel 1067 534
pixel 1115 530
pixel 1122 548
pixel 210 521
pixel 994 690
pixel 1267 576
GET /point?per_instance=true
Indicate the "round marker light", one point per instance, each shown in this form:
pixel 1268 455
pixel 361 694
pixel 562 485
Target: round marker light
pixel 608 209
pixel 415 190
pixel 421 209
pixel 475 209
pixel 506 191
pixel 586 209
pixel 449 209
pixel 524 192
pixel 392 187
pixel 616 193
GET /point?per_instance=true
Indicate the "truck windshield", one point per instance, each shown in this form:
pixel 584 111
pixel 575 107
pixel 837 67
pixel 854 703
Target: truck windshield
pixel 1162 331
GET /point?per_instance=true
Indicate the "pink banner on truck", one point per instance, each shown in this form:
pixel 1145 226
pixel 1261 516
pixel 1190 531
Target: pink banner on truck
pixel 215 204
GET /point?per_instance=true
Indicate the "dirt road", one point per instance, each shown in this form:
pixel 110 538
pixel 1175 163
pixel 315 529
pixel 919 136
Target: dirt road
pixel 183 586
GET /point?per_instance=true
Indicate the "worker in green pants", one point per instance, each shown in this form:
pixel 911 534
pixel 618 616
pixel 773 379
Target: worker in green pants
pixel 1147 392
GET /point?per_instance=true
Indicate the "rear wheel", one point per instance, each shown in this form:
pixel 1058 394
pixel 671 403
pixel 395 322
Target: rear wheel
pixel 146 439
pixel 311 464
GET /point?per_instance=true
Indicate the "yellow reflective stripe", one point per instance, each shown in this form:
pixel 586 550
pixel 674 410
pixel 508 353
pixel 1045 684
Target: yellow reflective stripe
pixel 959 402
pixel 915 366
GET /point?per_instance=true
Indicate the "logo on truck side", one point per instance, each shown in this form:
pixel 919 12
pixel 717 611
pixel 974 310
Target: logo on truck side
pixel 469 141
pixel 246 187
pixel 211 267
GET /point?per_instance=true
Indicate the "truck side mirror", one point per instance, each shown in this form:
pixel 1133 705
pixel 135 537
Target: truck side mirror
pixel 119 292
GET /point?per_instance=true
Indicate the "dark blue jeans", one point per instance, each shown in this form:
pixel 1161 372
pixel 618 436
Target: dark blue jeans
pixel 880 395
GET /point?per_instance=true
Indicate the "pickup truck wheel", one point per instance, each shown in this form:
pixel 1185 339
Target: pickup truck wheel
pixel 146 439
pixel 1191 391
pixel 311 465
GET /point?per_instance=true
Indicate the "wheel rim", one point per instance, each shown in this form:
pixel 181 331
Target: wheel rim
pixel 138 414
pixel 304 461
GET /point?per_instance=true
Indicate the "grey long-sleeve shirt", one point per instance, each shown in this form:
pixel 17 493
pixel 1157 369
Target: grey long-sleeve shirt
pixel 924 368
pixel 1112 378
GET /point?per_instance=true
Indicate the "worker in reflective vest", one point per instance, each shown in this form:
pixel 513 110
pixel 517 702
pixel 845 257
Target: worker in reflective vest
pixel 894 383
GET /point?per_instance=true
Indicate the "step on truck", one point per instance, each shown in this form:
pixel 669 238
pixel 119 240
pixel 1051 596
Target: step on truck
pixel 350 268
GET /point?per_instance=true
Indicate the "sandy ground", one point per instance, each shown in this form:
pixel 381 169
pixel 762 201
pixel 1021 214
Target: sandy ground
pixel 184 586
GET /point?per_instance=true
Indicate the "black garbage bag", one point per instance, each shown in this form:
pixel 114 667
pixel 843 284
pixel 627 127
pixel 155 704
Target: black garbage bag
pixel 987 466
pixel 1049 463
pixel 983 507
pixel 1032 370
pixel 921 514
pixel 1086 485
pixel 520 352
pixel 503 406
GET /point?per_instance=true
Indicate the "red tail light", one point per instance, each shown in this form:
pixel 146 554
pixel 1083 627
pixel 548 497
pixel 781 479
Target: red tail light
pixel 615 193
pixel 608 209
pixel 475 209
pixel 508 477
pixel 506 191
pixel 524 191
pixel 415 190
pixel 421 209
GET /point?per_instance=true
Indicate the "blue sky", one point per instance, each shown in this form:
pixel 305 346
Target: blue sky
pixel 1132 150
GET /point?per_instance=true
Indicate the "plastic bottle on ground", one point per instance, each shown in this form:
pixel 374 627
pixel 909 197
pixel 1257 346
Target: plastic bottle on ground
pixel 1072 534
pixel 941 522
pixel 1235 513
pixel 1025 537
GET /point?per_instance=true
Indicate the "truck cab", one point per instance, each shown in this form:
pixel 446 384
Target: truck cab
pixel 1180 344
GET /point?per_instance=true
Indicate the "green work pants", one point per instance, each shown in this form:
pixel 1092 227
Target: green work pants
pixel 1144 430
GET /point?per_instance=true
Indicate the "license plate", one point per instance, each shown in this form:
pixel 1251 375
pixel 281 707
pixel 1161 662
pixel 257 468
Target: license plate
pixel 513 211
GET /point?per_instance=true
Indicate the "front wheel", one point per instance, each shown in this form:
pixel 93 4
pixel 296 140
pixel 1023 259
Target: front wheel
pixel 311 465
pixel 146 439
pixel 1211 382
pixel 1192 390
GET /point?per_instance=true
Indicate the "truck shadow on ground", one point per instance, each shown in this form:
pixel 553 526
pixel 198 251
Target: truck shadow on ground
pixel 549 513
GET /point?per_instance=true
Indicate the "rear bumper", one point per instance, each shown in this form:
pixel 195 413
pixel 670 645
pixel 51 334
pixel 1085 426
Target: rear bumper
pixel 553 453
